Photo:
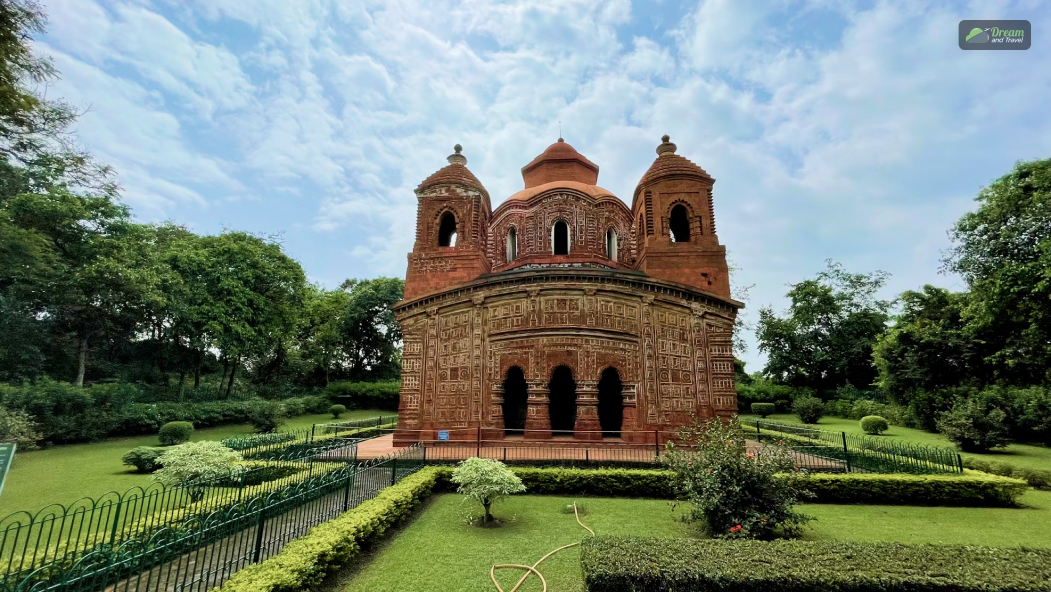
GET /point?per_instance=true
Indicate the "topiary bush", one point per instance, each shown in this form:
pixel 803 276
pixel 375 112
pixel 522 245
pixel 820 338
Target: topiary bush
pixel 809 409
pixel 975 425
pixel 874 424
pixel 763 409
pixel 485 480
pixel 144 458
pixel 175 432
pixel 337 410
pixel 266 416
pixel 736 492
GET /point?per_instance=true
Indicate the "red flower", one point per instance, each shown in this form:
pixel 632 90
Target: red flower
pixel 736 528
pixel 750 455
pixel 709 470
pixel 689 464
pixel 797 469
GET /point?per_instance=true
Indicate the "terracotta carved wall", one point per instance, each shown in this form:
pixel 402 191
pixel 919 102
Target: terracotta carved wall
pixel 673 356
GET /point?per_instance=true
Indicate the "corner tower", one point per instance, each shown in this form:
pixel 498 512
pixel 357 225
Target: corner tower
pixel 674 222
pixel 452 221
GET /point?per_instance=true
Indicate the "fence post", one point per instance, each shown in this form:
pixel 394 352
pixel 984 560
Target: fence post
pixel 116 519
pixel 959 460
pixel 424 454
pixel 846 451
pixel 350 485
pixel 478 450
pixel 758 434
pixel 393 470
pixel 656 446
pixel 259 533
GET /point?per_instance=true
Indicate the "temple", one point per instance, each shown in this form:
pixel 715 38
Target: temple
pixel 564 313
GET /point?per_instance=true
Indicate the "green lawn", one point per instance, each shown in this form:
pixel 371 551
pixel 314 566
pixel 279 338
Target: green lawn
pixel 438 551
pixel 1020 455
pixel 996 527
pixel 63 474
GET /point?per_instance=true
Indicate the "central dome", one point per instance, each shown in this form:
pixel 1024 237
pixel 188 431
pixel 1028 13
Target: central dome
pixel 560 162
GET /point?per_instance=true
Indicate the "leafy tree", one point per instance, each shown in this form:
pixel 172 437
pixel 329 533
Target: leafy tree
pixel 737 492
pixel 826 338
pixel 486 480
pixel 323 334
pixel 930 345
pixel 1003 251
pixel 371 333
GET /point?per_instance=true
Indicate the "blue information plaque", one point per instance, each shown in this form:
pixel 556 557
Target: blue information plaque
pixel 443 435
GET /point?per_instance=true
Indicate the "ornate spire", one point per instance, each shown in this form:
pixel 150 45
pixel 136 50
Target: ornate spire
pixel 666 146
pixel 457 158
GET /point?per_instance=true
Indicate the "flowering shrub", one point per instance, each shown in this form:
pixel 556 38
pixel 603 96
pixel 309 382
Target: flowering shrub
pixel 486 480
pixel 735 490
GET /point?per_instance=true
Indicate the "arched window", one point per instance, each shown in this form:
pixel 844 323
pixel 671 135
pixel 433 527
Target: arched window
pixel 611 244
pixel 447 230
pixel 679 224
pixel 512 245
pixel 560 238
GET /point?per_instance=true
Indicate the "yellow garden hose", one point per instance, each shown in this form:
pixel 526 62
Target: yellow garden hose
pixel 529 570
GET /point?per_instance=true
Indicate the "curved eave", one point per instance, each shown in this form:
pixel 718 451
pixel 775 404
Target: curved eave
pixel 568 275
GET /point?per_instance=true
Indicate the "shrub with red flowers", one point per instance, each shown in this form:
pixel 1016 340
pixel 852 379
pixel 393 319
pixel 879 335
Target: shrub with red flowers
pixel 738 489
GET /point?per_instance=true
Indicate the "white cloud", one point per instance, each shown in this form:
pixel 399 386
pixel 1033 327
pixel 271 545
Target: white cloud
pixel 832 131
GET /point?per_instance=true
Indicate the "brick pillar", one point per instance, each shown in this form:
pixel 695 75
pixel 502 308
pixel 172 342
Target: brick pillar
pixel 494 426
pixel 587 426
pixel 538 419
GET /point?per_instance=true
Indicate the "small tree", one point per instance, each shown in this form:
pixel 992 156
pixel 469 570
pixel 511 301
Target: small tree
pixel 175 432
pixel 737 492
pixel 486 480
pixel 763 409
pixel 337 410
pixel 809 409
pixel 266 416
pixel 195 463
pixel 975 425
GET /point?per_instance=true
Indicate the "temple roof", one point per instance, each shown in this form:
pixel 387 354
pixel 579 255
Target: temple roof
pixel 560 162
pixel 669 164
pixel 455 173
pixel 592 190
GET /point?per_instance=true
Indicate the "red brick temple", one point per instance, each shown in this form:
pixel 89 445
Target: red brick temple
pixel 564 313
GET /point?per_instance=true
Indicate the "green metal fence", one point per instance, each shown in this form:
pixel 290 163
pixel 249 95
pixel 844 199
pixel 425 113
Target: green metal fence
pixel 852 453
pixel 144 538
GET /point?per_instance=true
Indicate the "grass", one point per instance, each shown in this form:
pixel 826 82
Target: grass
pixel 1019 455
pixel 995 527
pixel 63 474
pixel 439 551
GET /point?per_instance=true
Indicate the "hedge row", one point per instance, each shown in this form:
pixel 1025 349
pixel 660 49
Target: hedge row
pixel 304 562
pixel 971 489
pixel 366 395
pixel 1034 477
pixel 634 564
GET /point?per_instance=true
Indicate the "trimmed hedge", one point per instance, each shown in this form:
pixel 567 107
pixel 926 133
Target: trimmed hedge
pixel 175 432
pixel 304 562
pixel 366 395
pixel 763 409
pixel 970 489
pixel 143 458
pixel 1038 478
pixel 973 489
pixel 634 564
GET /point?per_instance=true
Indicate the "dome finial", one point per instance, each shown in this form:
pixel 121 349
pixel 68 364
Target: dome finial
pixel 560 139
pixel 666 146
pixel 457 158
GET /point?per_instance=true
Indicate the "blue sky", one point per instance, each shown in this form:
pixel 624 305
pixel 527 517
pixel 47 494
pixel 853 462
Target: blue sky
pixel 852 131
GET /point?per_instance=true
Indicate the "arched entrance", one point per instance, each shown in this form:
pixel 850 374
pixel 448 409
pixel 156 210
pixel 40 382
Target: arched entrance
pixel 610 403
pixel 515 395
pixel 562 401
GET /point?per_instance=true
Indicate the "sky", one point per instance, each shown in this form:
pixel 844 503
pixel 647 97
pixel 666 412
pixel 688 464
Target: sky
pixel 851 131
